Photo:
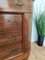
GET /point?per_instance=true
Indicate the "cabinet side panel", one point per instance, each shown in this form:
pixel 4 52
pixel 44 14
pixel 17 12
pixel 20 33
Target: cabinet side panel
pixel 27 31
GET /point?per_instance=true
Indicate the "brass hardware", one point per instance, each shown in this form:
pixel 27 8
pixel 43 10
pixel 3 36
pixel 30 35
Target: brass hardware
pixel 19 2
pixel 13 51
pixel 10 21
pixel 12 38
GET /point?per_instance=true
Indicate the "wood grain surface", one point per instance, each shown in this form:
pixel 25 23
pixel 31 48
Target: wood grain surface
pixel 11 6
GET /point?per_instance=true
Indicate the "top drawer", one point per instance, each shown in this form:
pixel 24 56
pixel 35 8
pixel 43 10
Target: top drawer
pixel 16 5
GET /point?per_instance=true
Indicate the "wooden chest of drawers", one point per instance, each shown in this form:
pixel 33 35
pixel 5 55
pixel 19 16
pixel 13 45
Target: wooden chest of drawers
pixel 15 29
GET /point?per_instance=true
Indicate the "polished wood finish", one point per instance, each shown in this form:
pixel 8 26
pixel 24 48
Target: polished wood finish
pixel 15 29
pixel 17 6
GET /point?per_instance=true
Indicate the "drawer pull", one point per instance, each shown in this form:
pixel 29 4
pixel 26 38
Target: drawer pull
pixel 13 51
pixel 19 2
pixel 11 37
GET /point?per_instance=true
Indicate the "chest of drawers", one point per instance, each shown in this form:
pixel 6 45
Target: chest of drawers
pixel 15 29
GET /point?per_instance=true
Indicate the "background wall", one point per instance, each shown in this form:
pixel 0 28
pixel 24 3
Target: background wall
pixel 38 7
pixel 3 3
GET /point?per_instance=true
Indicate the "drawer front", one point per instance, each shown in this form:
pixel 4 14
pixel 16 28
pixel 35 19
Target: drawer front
pixel 16 5
pixel 10 28
pixel 21 5
pixel 10 50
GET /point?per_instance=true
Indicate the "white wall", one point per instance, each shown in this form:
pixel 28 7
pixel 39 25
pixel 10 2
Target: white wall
pixel 3 4
pixel 38 7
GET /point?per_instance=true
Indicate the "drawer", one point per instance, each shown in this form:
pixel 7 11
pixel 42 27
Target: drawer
pixel 10 28
pixel 10 38
pixel 16 5
pixel 21 5
pixel 10 50
pixel 10 20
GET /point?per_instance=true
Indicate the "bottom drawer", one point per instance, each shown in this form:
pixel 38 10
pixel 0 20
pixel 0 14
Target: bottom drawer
pixel 10 50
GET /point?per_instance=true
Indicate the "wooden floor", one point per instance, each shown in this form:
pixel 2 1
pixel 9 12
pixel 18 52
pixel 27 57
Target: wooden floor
pixel 37 53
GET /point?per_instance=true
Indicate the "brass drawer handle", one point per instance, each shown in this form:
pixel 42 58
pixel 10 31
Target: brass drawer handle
pixel 13 51
pixel 19 2
pixel 11 37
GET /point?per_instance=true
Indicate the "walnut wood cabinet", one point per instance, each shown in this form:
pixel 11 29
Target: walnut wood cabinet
pixel 15 29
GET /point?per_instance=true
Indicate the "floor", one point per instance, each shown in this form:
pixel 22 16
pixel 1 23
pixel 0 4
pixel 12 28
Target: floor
pixel 37 53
